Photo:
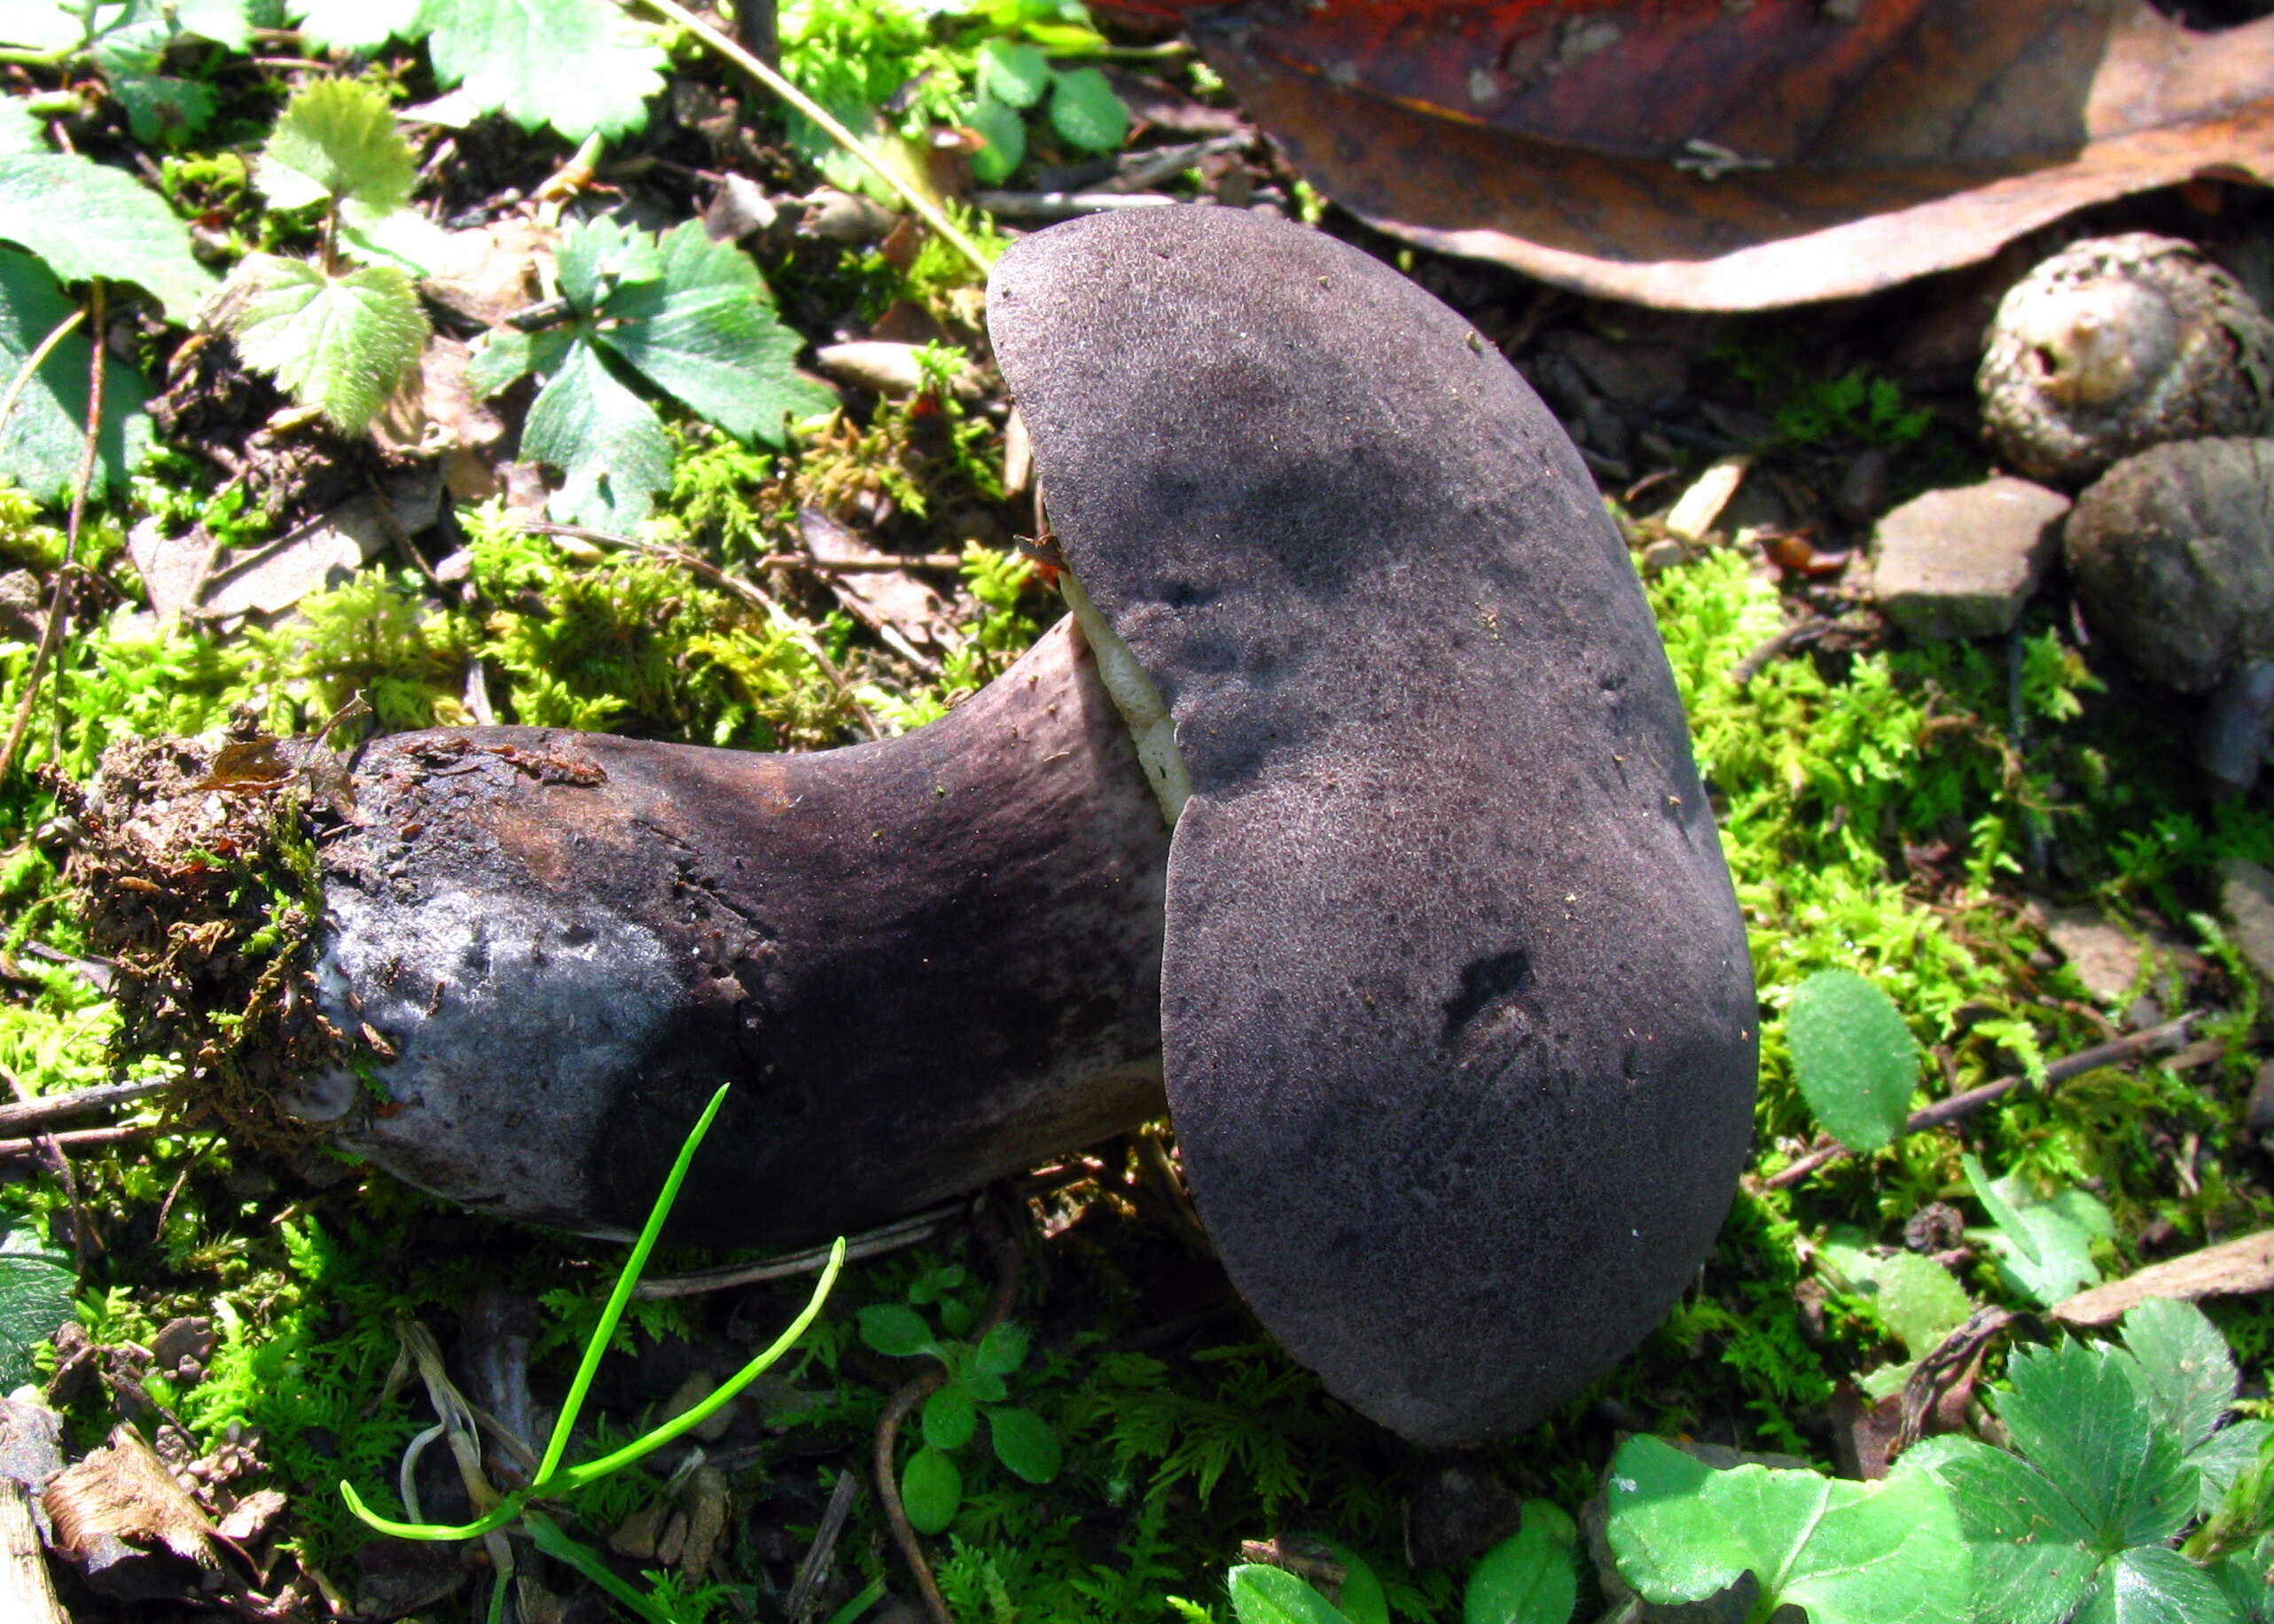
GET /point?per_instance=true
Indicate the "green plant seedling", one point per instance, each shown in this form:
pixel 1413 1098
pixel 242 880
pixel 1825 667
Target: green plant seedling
pixel 1853 1057
pixel 1013 78
pixel 2043 1244
pixel 1845 1553
pixel 1531 1577
pixel 1265 1595
pixel 1914 1298
pixel 931 1483
pixel 552 1479
pixel 2116 1449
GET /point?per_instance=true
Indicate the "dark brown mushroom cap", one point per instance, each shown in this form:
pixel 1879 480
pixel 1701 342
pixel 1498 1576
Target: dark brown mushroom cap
pixel 1457 1015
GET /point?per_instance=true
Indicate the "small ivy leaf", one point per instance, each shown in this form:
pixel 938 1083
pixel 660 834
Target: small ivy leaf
pixel 1006 134
pixel 340 343
pixel 1530 1577
pixel 1085 110
pixel 1016 75
pixel 2077 1413
pixel 1846 1553
pixel 931 1489
pixel 1362 1599
pixel 35 1287
pixel 1003 1349
pixel 2191 1375
pixel 2031 1547
pixel 950 1418
pixel 87 219
pixel 337 142
pixel 580 65
pixel 46 435
pixel 1024 1443
pixel 704 332
pixel 895 1329
pixel 1261 1595
pixel 1853 1057
pixel 2154 1584
pixel 608 444
pixel 357 25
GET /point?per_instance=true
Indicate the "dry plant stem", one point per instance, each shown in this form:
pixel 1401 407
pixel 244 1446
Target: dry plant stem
pixel 74 1139
pixel 925 210
pixel 38 359
pixel 51 632
pixel 908 1232
pixel 42 1110
pixel 1957 1106
pixel 815 1568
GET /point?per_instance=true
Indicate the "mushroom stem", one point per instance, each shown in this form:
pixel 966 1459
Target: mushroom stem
pixel 923 962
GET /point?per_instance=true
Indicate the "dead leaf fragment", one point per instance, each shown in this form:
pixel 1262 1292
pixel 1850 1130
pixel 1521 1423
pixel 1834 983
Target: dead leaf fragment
pixel 1701 155
pixel 2232 1268
pixel 119 1503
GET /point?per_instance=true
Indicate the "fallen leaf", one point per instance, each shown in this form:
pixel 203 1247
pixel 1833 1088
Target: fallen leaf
pixel 1697 155
pixel 2232 1268
pixel 118 1502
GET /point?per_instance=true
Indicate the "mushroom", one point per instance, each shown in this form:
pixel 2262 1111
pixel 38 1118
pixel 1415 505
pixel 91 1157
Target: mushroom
pixel 2117 344
pixel 1356 804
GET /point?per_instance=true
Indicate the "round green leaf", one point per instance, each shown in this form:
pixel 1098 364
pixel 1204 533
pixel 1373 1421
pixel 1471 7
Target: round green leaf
pixel 1006 134
pixel 1024 1443
pixel 1085 110
pixel 931 1489
pixel 895 1329
pixel 1013 74
pixel 1855 1060
pixel 1001 1350
pixel 1530 1577
pixel 951 1416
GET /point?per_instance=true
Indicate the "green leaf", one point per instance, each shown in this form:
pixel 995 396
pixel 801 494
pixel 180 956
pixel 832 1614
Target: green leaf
pixel 1362 1598
pixel 1001 1350
pixel 163 111
pixel 950 1418
pixel 2151 1584
pixel 358 26
pixel 1024 1443
pixel 87 221
pixel 987 1386
pixel 224 22
pixel 1847 1553
pixel 1014 74
pixel 2224 1456
pixel 1006 134
pixel 1262 1595
pixel 35 1290
pixel 2077 1412
pixel 595 258
pixel 20 129
pixel 1530 1577
pixel 2241 1575
pixel 931 1489
pixel 580 65
pixel 2044 1246
pixel 2032 1550
pixel 895 1329
pixel 337 142
pixel 1855 1060
pixel 705 333
pixel 608 444
pixel 2189 1374
pixel 340 343
pixel 1085 110
pixel 41 25
pixel 42 443
pixel 1915 1297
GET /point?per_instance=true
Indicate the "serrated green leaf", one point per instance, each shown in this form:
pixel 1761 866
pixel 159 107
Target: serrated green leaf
pixel 35 1298
pixel 579 66
pixel 343 344
pixel 336 142
pixel 1014 74
pixel 163 111
pixel 2225 1455
pixel 931 1489
pixel 950 1418
pixel 224 22
pixel 1530 1577
pixel 87 219
pixel 20 129
pixel 597 258
pixel 608 444
pixel 1846 1553
pixel 358 26
pixel 1085 110
pixel 2031 1546
pixel 2190 1375
pixel 2077 1413
pixel 2150 1584
pixel 1006 134
pixel 705 333
pixel 503 355
pixel 1854 1058
pixel 1001 1350
pixel 1024 1443
pixel 895 1329
pixel 1261 1595
pixel 42 443
pixel 1362 1599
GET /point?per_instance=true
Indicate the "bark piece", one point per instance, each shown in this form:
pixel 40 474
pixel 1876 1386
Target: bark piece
pixel 2233 1267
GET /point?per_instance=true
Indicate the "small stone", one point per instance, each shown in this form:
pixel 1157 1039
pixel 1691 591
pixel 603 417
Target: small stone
pixel 2105 960
pixel 1663 555
pixel 886 368
pixel 2246 909
pixel 189 1337
pixel 1961 563
pixel 845 217
pixel 1863 487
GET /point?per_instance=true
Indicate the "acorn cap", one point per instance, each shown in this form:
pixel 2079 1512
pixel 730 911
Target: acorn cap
pixel 1457 1020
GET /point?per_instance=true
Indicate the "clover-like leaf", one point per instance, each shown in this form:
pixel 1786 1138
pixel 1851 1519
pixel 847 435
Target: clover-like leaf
pixel 342 344
pixel 1853 1057
pixel 1085 110
pixel 931 1489
pixel 1530 1577
pixel 1023 1442
pixel 579 66
pixel 87 219
pixel 608 443
pixel 336 142
pixel 950 1418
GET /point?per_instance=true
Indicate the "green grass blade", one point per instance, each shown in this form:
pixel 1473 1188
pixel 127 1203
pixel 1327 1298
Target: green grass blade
pixel 549 1538
pixel 504 1511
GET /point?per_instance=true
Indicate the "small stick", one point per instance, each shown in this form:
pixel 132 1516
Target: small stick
pixel 75 1137
pixel 856 566
pixel 815 1568
pixel 1777 647
pixel 36 360
pixel 1943 1111
pixel 889 1238
pixel 41 1108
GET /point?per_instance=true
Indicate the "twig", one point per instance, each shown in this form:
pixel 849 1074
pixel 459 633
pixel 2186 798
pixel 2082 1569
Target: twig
pixel 858 567
pixel 1776 648
pixel 43 1109
pixel 38 359
pixel 889 1238
pixel 75 1137
pixel 1064 204
pixel 815 1568
pixel 925 209
pixel 51 632
pixel 1943 1111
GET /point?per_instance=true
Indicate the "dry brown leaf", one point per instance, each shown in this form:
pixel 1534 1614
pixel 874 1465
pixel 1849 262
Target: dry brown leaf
pixel 2232 1268
pixel 1699 155
pixel 120 1501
